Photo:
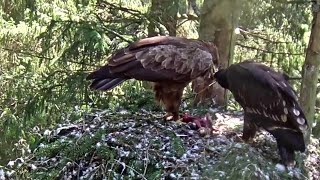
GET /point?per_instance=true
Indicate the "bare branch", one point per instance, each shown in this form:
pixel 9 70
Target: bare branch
pixel 267 51
pixel 246 32
pixel 293 1
pixel 102 4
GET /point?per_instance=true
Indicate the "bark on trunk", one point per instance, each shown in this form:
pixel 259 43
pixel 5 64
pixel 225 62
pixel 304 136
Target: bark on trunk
pixel 218 20
pixel 193 8
pixel 163 12
pixel 310 72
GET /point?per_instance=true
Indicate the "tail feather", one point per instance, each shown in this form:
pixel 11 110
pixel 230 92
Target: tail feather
pixel 106 84
pixel 101 73
pixel 104 79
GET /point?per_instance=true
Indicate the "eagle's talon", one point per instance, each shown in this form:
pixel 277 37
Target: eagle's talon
pixel 169 118
pixel 247 140
pixel 291 165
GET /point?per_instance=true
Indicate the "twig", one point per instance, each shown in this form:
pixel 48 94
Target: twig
pixel 131 11
pixel 186 19
pixel 267 51
pixel 146 161
pixel 20 51
pixel 202 90
pixel 243 31
pixel 293 2
pixel 111 31
pixel 111 168
pixel 126 166
pixel 299 78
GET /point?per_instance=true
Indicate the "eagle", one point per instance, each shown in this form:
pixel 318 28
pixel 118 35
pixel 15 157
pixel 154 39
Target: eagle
pixel 169 62
pixel 269 102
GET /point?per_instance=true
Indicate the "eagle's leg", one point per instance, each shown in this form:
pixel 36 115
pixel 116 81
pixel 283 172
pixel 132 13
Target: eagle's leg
pixel 249 129
pixel 171 101
pixel 288 141
pixel 171 116
pixel 169 95
pixel 172 107
pixel 286 155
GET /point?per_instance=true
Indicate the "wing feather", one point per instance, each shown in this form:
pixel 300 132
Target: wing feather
pixel 184 59
pixel 266 93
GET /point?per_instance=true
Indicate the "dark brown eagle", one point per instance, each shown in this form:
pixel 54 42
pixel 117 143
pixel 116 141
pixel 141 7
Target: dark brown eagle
pixel 170 62
pixel 269 102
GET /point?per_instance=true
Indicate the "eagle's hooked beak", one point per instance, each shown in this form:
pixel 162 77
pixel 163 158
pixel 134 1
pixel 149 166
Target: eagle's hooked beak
pixel 216 69
pixel 220 67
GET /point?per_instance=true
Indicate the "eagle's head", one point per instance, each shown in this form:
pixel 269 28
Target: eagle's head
pixel 221 78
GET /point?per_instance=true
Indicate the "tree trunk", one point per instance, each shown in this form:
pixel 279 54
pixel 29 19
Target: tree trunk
pixel 218 20
pixel 310 72
pixel 163 12
pixel 193 8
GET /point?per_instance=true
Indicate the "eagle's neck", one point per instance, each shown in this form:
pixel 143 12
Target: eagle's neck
pixel 221 78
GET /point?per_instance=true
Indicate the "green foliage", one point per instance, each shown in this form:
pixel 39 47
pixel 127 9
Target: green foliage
pixel 276 36
pixel 70 153
pixel 177 144
pixel 48 48
pixel 125 148
pixel 246 163
pixel 48 54
pixel 59 153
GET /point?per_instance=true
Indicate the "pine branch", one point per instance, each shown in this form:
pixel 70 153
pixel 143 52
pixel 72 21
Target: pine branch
pixel 111 31
pixel 21 51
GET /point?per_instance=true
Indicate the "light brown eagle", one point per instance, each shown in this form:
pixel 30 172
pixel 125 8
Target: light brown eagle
pixel 170 62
